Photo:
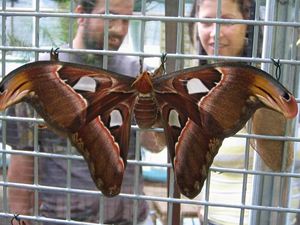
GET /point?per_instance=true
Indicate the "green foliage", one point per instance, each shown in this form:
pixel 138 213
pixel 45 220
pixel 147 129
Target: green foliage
pixel 12 40
pixel 65 23
pixel 61 1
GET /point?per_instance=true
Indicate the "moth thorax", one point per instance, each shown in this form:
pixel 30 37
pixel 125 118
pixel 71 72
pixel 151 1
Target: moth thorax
pixel 145 111
pixel 143 83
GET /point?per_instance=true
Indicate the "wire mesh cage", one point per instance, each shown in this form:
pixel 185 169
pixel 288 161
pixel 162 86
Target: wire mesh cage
pixel 42 185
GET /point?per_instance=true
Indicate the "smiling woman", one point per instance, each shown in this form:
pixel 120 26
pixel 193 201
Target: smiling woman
pixel 232 38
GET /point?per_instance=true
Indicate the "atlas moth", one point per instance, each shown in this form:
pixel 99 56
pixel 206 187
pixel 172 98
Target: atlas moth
pixel 209 103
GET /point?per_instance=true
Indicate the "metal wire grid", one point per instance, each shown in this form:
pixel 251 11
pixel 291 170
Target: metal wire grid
pixel 36 13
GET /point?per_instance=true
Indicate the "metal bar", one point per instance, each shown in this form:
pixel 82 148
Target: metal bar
pixel 144 163
pixel 104 66
pixel 207 190
pixel 245 180
pixel 71 25
pixel 35 42
pixel 137 172
pixel 179 36
pixel 174 209
pixel 69 181
pixel 256 30
pixel 171 34
pixel 3 124
pixel 154 198
pixel 170 55
pixel 149 18
pixel 106 35
pixel 101 208
pixel 213 169
pixel 142 30
pixel 36 168
pixel 137 168
pixel 217 27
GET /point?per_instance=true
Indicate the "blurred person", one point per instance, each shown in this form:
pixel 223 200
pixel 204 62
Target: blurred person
pixel 224 187
pixel 53 171
pixel 235 40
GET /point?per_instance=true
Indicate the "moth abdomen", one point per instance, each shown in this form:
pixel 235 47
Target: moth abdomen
pixel 145 111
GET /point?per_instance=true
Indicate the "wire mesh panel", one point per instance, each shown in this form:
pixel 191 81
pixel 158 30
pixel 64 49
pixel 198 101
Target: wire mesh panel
pixel 52 185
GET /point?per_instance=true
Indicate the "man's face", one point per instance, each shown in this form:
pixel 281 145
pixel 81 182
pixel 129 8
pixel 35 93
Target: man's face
pixel 93 33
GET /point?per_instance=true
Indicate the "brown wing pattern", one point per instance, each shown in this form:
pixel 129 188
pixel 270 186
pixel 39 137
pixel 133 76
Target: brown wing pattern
pixel 59 93
pixel 41 86
pixel 104 145
pixel 78 101
pixel 205 116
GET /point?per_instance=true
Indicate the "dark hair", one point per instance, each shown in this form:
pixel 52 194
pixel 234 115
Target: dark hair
pixel 87 5
pixel 246 7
